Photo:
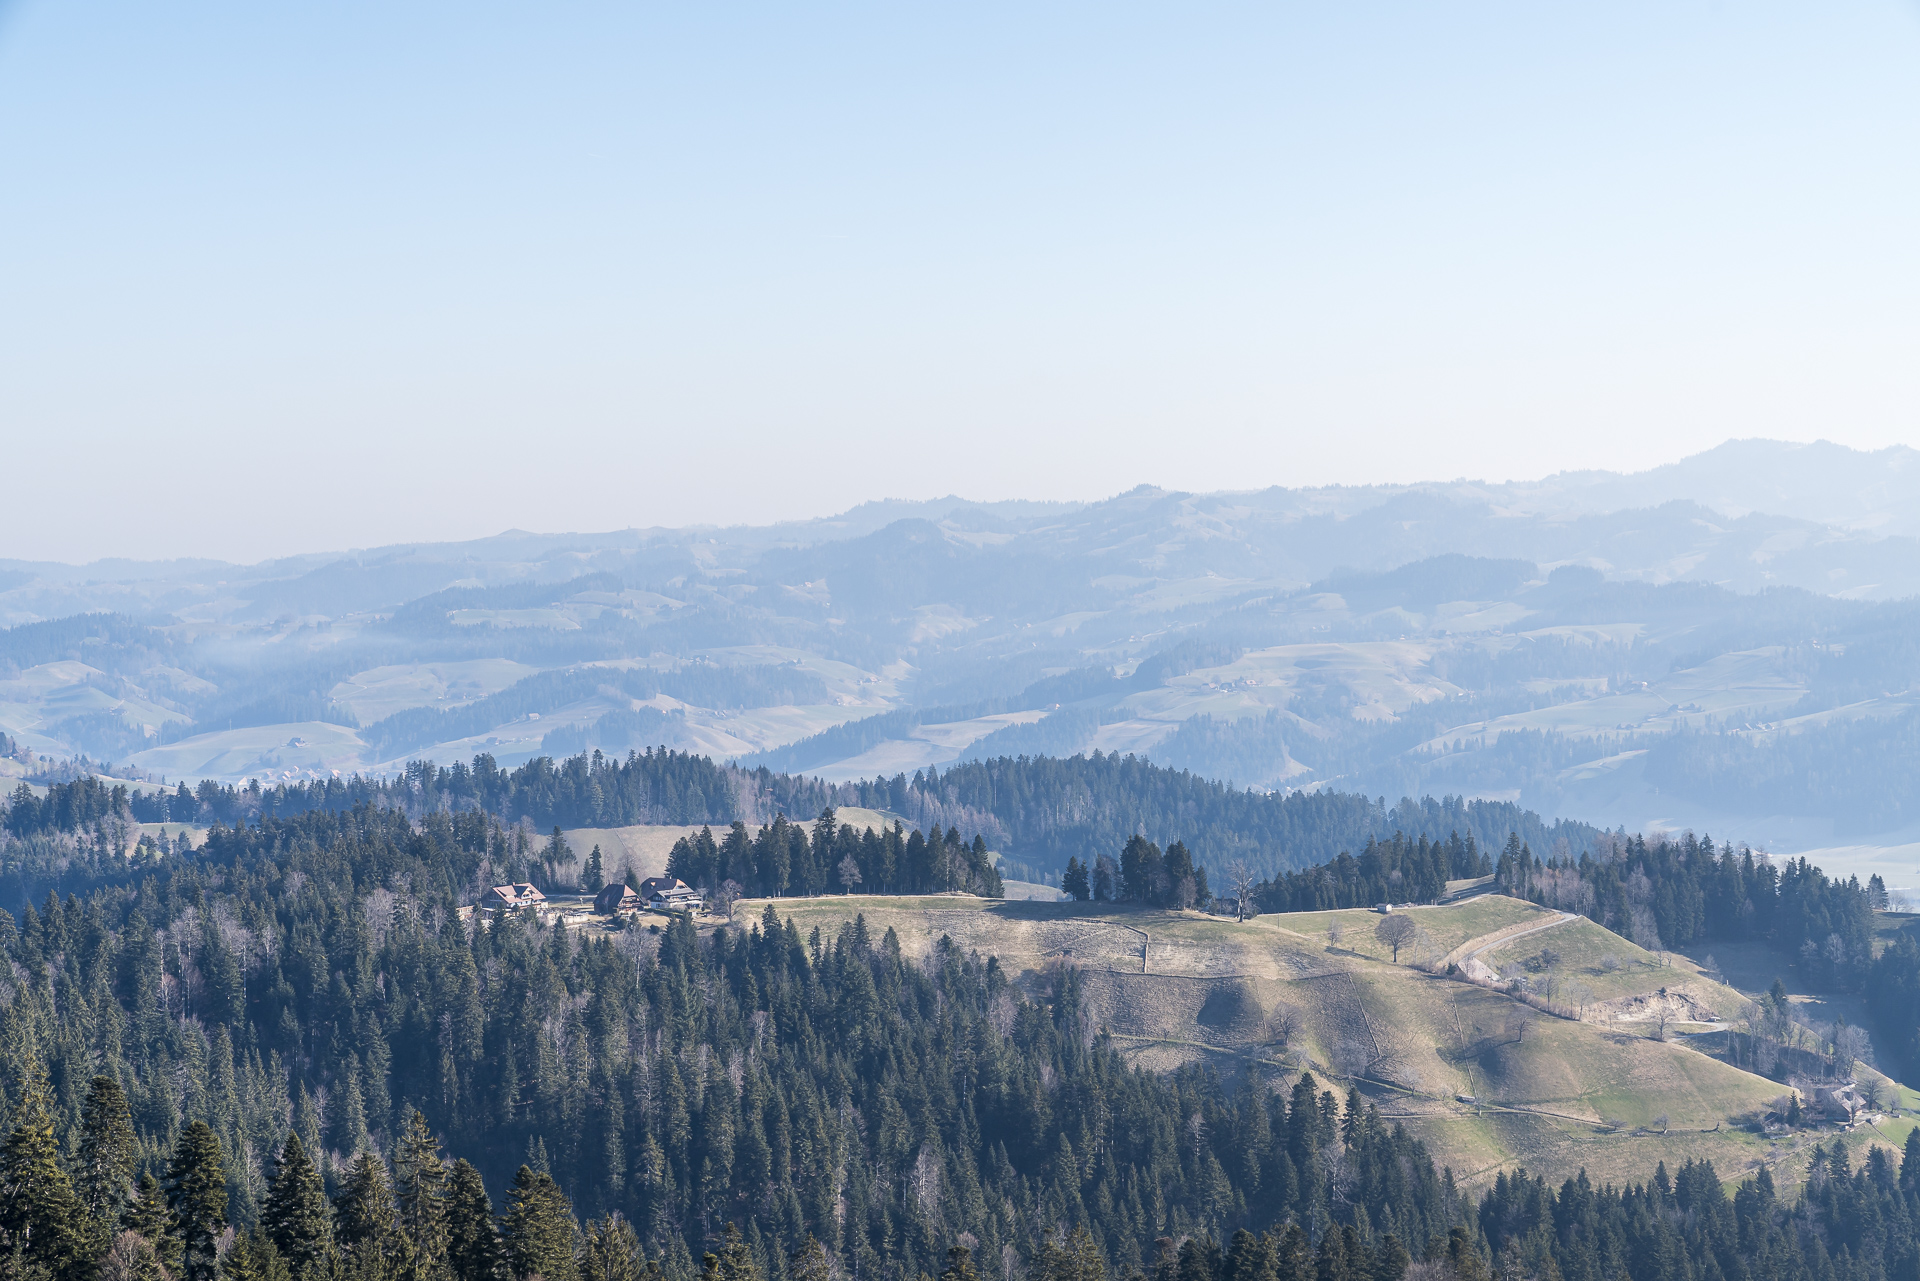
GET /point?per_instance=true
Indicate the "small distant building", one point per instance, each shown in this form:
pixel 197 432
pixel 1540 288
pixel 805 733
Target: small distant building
pixel 1383 908
pixel 513 896
pixel 1840 1102
pixel 669 894
pixel 616 898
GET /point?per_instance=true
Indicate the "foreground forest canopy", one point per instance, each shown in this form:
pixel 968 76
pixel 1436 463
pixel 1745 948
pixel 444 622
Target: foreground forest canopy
pixel 287 1029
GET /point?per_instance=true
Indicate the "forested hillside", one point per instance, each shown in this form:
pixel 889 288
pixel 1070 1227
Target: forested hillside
pixel 288 1030
pixel 1676 893
pixel 1671 893
pixel 1053 809
pixel 1036 811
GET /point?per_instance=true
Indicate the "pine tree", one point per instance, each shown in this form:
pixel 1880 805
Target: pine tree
pixel 420 1187
pixel 1293 1257
pixel 538 1228
pixel 474 1250
pixel 40 1219
pixel 197 1200
pixel 296 1216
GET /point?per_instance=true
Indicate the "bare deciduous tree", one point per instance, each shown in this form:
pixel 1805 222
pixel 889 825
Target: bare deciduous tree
pixel 1282 1024
pixel 1241 880
pixel 1396 931
pixel 1350 1058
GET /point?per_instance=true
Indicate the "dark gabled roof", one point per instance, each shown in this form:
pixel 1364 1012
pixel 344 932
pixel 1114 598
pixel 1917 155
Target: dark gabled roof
pixel 663 885
pixel 612 898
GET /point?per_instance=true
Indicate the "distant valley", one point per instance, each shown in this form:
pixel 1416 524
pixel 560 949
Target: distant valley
pixel 1721 645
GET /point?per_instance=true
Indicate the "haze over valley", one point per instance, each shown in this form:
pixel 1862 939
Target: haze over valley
pixel 1717 644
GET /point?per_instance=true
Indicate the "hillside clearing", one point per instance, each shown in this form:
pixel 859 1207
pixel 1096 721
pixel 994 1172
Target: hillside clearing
pixel 1274 996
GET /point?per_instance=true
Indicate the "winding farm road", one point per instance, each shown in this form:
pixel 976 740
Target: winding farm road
pixel 1472 948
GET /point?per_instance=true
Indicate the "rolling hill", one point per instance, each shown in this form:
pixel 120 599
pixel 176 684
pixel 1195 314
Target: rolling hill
pixel 1592 1089
pixel 1720 645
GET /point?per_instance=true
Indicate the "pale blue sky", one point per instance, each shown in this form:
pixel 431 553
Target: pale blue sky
pixel 287 277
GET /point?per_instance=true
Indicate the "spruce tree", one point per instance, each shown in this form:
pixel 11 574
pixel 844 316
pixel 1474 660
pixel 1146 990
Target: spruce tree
pixel 363 1210
pixel 596 875
pixel 734 1262
pixel 40 1219
pixel 367 1227
pixel 809 1262
pixel 103 1173
pixel 612 1252
pixel 420 1188
pixel 295 1217
pixel 1078 1258
pixel 538 1228
pixel 474 1249
pixel 146 1214
pixel 254 1257
pixel 197 1200
pixel 959 1265
pixel 1075 881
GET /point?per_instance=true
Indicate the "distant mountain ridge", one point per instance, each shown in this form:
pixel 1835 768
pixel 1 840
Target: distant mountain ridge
pixel 1874 491
pixel 1634 649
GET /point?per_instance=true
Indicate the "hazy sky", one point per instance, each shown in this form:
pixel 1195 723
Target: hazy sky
pixel 280 277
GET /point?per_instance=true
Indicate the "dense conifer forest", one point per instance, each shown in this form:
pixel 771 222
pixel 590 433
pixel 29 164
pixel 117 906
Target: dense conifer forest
pixel 1672 893
pixel 255 1060
pixel 786 858
pixel 1037 811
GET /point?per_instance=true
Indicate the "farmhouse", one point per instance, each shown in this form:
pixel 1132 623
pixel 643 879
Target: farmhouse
pixel 616 898
pixel 512 896
pixel 669 894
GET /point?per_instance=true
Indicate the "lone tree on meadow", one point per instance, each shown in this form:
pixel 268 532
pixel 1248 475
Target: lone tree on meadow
pixel 849 874
pixel 1396 931
pixel 1240 881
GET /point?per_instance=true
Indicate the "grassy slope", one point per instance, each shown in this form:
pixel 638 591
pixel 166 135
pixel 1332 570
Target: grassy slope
pixel 1583 947
pixel 1211 989
pixel 643 849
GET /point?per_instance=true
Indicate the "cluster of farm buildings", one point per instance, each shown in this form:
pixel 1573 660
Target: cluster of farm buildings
pixel 656 894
